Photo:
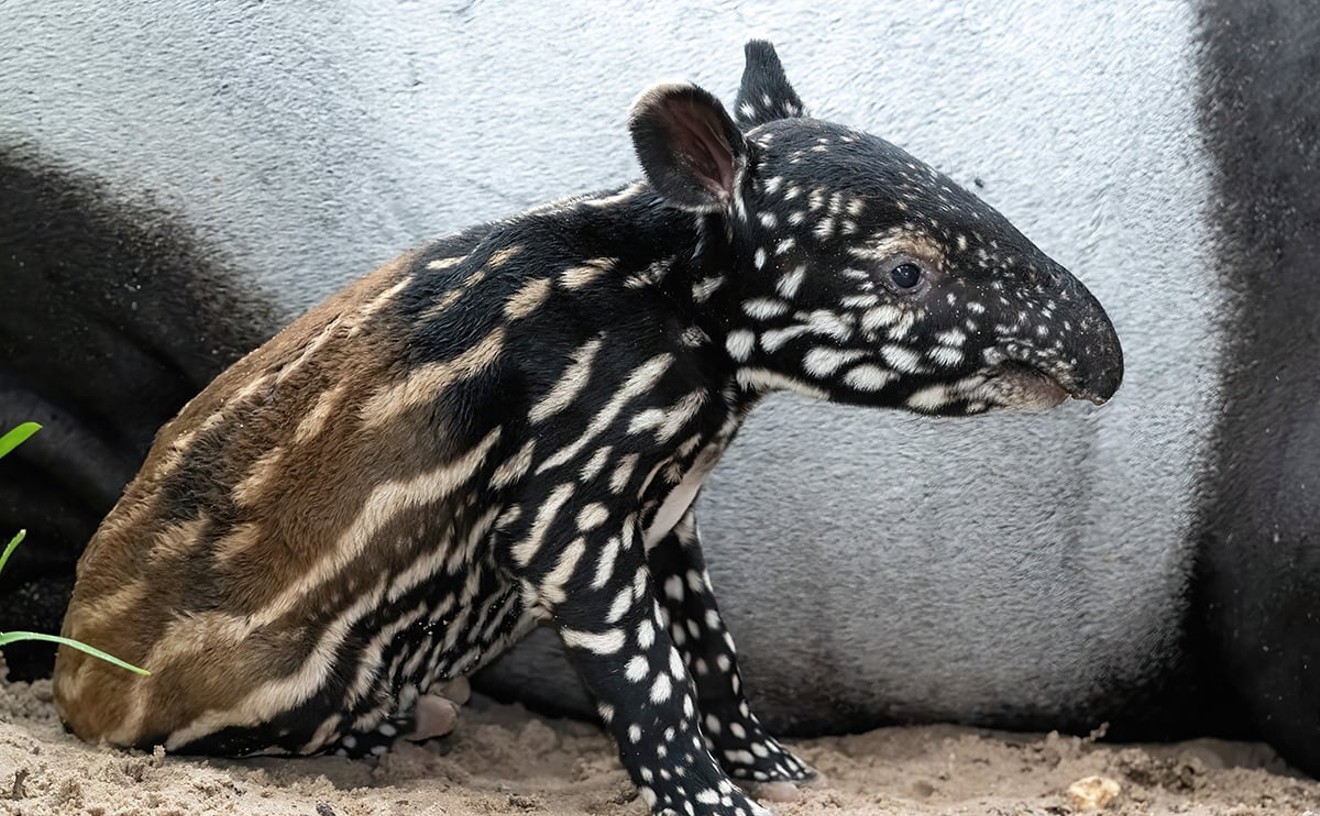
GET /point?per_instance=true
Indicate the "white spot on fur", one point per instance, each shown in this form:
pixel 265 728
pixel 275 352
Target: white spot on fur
pixel 639 381
pixel 592 516
pixel 569 384
pixel 575 277
pixel 645 634
pixel 525 550
pixel 828 324
pixel 596 463
pixel 605 562
pixel 931 398
pixel 552 586
pixel 790 282
pixel 763 380
pixel 822 361
pixel 764 308
pixel 620 606
pixel 636 671
pixel 646 420
pixel 622 473
pixel 774 339
pixel 703 289
pixel 859 302
pixel 901 358
pixel 626 194
pixel 951 337
pixel 693 337
pixel 740 344
pixel 602 643
pixel 868 377
pixel 946 356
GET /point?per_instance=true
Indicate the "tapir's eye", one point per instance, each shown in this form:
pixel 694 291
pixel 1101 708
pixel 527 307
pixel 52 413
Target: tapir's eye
pixel 905 275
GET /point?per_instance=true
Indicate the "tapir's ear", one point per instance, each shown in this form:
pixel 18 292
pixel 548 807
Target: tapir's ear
pixel 688 146
pixel 765 94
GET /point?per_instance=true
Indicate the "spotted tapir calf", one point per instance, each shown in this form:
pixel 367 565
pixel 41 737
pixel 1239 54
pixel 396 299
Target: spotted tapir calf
pixel 509 427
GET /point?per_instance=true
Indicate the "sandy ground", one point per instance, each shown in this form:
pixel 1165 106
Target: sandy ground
pixel 503 760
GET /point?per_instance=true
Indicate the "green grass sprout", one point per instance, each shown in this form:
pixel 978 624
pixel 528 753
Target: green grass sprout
pixel 8 442
pixel 16 437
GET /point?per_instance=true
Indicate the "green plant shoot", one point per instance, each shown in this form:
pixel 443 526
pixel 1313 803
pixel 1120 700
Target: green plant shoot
pixel 8 442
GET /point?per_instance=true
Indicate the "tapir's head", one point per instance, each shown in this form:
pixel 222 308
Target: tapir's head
pixel 861 274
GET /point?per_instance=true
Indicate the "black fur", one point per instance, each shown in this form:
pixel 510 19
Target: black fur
pixel 1258 591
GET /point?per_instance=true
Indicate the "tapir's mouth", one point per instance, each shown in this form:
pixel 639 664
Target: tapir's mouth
pixel 1008 385
pixel 1020 387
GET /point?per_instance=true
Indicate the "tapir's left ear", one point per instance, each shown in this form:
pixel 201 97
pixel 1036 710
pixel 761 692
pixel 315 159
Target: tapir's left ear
pixel 765 94
pixel 689 147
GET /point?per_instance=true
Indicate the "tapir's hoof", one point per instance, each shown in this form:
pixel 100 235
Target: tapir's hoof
pixel 435 716
pixel 778 791
pixel 458 691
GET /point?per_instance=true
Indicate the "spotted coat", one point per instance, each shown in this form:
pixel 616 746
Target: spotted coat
pixel 509 427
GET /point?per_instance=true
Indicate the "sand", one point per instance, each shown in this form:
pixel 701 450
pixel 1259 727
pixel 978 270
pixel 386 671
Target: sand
pixel 503 760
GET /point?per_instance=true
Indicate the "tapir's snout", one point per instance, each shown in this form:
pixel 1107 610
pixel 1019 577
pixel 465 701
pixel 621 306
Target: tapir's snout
pixel 1101 384
pixel 1093 366
pixel 1062 344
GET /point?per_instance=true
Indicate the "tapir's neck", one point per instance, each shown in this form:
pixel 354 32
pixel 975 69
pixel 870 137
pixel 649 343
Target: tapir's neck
pixel 693 272
pixel 690 262
pixel 709 270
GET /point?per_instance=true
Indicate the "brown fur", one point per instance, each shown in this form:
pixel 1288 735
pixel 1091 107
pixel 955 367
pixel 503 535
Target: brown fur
pixel 139 572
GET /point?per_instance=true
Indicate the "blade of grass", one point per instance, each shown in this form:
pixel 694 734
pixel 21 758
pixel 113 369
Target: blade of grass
pixel 8 442
pixel 10 547
pixel 7 638
pixel 17 436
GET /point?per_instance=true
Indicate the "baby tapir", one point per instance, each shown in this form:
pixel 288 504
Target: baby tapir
pixel 510 426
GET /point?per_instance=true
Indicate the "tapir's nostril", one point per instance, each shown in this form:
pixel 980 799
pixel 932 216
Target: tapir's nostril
pixel 1098 368
pixel 1101 382
pixel 1110 382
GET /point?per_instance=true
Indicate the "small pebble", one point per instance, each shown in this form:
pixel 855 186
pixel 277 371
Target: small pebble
pixel 1092 793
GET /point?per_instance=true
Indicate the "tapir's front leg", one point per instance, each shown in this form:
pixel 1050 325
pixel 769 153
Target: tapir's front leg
pixel 736 737
pixel 597 592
